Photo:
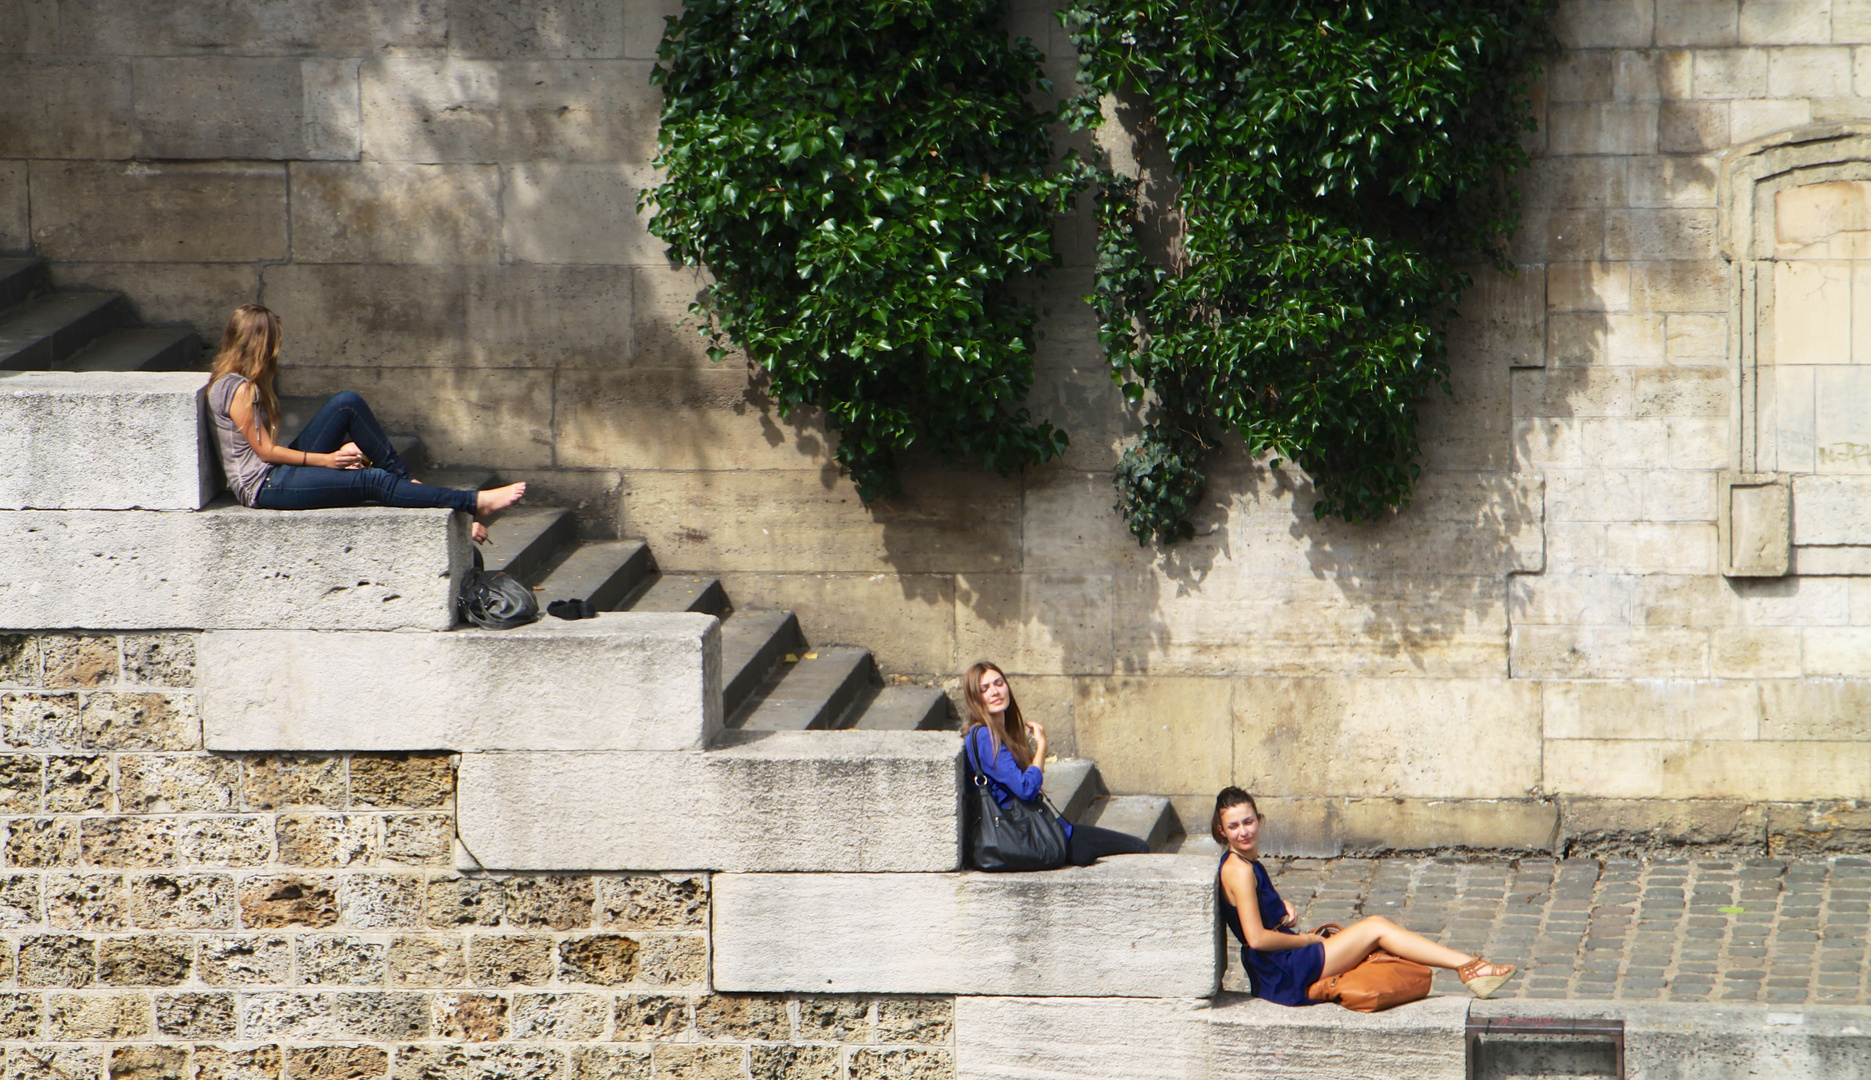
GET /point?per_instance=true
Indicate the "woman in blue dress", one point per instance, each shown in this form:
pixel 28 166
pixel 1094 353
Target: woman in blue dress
pixel 1281 962
pixel 1011 752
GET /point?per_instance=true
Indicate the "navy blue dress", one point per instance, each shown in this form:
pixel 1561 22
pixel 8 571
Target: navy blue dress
pixel 1282 975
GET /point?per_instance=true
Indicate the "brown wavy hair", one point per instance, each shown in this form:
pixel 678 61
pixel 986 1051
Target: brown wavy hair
pixel 1228 799
pixel 1008 729
pixel 250 349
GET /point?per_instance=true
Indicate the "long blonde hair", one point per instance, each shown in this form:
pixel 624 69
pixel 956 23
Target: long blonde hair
pixel 1009 728
pixel 250 349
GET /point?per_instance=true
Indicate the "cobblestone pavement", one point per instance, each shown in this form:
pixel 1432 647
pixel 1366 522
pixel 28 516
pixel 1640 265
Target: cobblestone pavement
pixel 1769 930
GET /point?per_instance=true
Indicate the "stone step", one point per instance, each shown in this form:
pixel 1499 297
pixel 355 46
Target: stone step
pixel 1198 842
pixel 1133 926
pixel 21 279
pixel 522 540
pixel 37 334
pixel 680 592
pixel 600 571
pixel 814 692
pixel 623 682
pixel 752 642
pixel 147 348
pixel 859 802
pixel 1073 784
pixel 66 438
pixel 905 708
pixel 1150 818
pixel 466 478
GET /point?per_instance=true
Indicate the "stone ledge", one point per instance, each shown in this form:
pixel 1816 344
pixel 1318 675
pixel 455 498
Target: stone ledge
pixel 105 441
pixel 1790 1042
pixel 621 681
pixel 231 568
pixel 1023 1038
pixel 829 801
pixel 1250 1039
pixel 1130 926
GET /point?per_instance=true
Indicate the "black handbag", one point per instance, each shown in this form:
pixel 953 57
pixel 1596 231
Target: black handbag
pixel 496 601
pixel 1023 836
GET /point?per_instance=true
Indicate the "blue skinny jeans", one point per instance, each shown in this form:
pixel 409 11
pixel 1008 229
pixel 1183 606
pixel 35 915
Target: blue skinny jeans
pixel 346 418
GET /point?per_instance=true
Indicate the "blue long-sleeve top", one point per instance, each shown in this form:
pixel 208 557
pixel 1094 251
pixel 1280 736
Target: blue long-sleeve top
pixel 1005 778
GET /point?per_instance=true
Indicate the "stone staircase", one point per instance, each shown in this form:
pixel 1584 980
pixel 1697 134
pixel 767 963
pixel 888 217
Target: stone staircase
pixel 43 329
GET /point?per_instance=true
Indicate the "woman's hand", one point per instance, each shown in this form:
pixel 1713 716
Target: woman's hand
pixel 1292 917
pixel 347 456
pixel 1036 738
pixel 477 532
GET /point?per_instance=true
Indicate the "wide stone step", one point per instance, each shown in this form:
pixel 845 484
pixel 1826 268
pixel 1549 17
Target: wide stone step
pixel 522 540
pixel 681 592
pixel 599 571
pixel 1073 784
pixel 1151 818
pixel 1132 926
pixel 616 682
pixel 139 349
pixel 752 642
pixel 37 334
pixel 814 692
pixel 465 478
pixel 832 801
pixel 21 279
pixel 104 441
pixel 905 708
pixel 229 567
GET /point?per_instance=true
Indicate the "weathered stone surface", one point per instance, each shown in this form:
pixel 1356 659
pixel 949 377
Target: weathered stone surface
pixel 610 1063
pixel 20 1016
pixel 149 1063
pixel 159 212
pixel 550 902
pixel 1023 1038
pixel 232 567
pixel 746 1017
pixel 1139 926
pixel 651 1017
pixel 653 902
pixel 79 660
pixel 195 1016
pixel 91 96
pixel 577 28
pixel 87 901
pixel 471 1017
pixel 637 682
pixel 699 1062
pixel 419 839
pixel 57 960
pixel 183 27
pixel 673 960
pixel 246 960
pixel 74 784
pixel 382 1017
pixel 55 1062
pixel 831 1018
pixel 425 960
pixel 293 1016
pixel 414 780
pixel 600 959
pixel 42 842
pixel 50 459
pixel 128 721
pixel 459 902
pixel 328 839
pixel 564 1017
pixel 22 779
pixel 469 415
pixel 279 900
pixel 794 1062
pixel 159 659
pixel 1418 1041
pixel 166 783
pixel 218 1063
pixel 510 959
pixel 336 1062
pixel 1770 1042
pixel 284 781
pixel 575 214
pixel 40 720
pixel 155 960
pixel 342 960
pixel 182 901
pixel 368 901
pixel 479 110
pixel 86 1017
pixel 250 108
pixel 19 900
pixel 19 660
pixel 224 841
pixel 395 213
pixel 916 1020
pixel 747 806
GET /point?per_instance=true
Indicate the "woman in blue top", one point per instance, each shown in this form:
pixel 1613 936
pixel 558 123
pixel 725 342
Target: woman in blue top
pixel 1281 963
pixel 1010 750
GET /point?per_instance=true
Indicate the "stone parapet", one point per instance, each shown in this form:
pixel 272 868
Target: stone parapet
pixel 831 801
pixel 228 567
pixel 1250 1039
pixel 1133 926
pixel 104 441
pixel 1027 1038
pixel 622 681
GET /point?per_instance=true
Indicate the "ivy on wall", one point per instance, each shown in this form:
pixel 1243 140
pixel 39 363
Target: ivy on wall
pixel 864 178
pixel 1336 164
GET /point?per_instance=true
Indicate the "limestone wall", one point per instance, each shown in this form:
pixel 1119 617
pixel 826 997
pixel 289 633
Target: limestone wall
pixel 167 913
pixel 439 199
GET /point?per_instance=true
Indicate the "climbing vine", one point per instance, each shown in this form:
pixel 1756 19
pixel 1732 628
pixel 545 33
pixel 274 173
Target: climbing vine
pixel 865 179
pixel 1334 166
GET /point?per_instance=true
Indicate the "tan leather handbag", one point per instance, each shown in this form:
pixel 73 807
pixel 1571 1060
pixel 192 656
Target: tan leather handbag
pixel 1380 981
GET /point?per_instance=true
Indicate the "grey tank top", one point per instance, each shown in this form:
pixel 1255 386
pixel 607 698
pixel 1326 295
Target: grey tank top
pixel 245 471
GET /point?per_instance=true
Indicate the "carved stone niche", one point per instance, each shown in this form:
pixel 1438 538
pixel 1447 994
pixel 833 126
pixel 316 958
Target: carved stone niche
pixel 1796 226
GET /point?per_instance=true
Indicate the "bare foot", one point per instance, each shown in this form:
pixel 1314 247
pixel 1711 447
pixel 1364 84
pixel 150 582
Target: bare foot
pixel 494 499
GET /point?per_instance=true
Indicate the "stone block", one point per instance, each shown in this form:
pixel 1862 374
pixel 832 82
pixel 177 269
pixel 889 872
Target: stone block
pixel 1785 22
pixel 1251 1039
pixel 571 28
pixel 481 110
pixel 1157 735
pixel 15 208
pixel 374 212
pixel 752 805
pixel 422 781
pixel 1587 286
pixel 1378 826
pixel 907 621
pixel 1814 708
pixel 1682 1039
pixel 1651 709
pixel 1783 771
pixel 1754 524
pixel 510 959
pixel 282 900
pixel 248 960
pixel 1036 622
pixel 569 214
pixel 65 107
pixel 87 1017
pixel 1503 319
pixel 218 1063
pixel 1641 234
pixel 565 1017
pixel 1692 22
pixel 497 418
pixel 159 211
pixel 1386 737
pixel 201 295
pixel 253 108
pixel 196 1016
pixel 681 418
pixel 795 521
pixel 1831 510
pixel 1602 128
pixel 51 459
pixel 1087 1038
pixel 368 316
pixel 1593 826
pixel 1750 120
pixel 653 902
pixel 315 27
pixel 227 567
pixel 1132 926
pixel 634 681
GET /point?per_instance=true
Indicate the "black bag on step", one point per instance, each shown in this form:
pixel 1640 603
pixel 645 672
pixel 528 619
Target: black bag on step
pixel 1024 836
pixel 496 601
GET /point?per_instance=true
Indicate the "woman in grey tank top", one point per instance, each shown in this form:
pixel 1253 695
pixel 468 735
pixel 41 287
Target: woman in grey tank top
pixel 341 458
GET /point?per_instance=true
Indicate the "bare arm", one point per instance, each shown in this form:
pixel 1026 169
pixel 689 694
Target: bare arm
pixel 240 409
pixel 1237 880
